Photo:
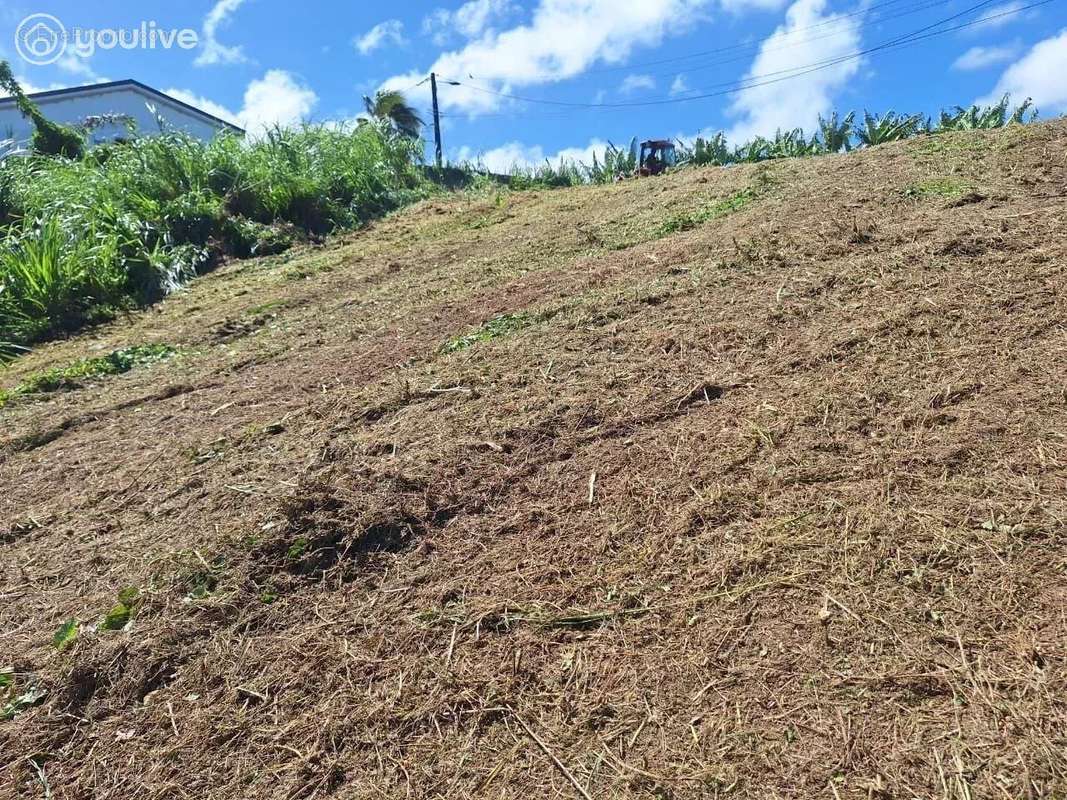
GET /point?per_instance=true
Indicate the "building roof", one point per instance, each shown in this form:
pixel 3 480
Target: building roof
pixel 128 83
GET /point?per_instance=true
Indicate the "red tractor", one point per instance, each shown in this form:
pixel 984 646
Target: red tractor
pixel 656 156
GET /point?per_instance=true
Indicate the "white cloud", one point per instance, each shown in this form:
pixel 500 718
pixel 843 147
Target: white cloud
pixel 470 20
pixel 29 87
pixel 635 83
pixel 996 16
pixel 204 104
pixel 213 52
pixel 1038 75
pixel 981 57
pixel 796 102
pixel 741 6
pixel 32 88
pixel 392 30
pixel 276 98
pixel 561 40
pixel 507 157
pixel 76 65
pixel 679 85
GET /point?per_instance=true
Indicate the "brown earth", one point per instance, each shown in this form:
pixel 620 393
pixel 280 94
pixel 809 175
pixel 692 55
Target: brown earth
pixel 765 502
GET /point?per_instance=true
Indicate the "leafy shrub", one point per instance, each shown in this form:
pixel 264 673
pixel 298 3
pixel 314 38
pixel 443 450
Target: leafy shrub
pixel 888 127
pixel 49 138
pixel 131 221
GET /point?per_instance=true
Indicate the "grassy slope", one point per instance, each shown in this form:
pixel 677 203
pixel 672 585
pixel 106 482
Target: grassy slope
pixel 760 496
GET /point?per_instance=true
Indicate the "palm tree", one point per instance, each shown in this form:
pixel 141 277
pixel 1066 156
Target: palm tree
pixel 392 109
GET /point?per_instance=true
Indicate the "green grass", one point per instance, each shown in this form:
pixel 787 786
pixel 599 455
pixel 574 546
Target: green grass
pixel 264 308
pixel 692 219
pixel 73 376
pixel 495 328
pixel 958 145
pixel 937 187
pixel 638 233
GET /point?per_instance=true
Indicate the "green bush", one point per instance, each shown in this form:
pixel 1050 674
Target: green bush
pixel 49 138
pixel 127 222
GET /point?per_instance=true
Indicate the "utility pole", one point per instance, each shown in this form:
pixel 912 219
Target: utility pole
pixel 436 120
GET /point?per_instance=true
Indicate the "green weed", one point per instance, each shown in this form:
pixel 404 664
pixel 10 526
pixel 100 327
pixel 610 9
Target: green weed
pixel 298 548
pixel 197 577
pixel 120 614
pixel 66 634
pixel 634 234
pixel 260 310
pixel 494 328
pixel 73 376
pixel 693 219
pixel 17 703
pixel 937 187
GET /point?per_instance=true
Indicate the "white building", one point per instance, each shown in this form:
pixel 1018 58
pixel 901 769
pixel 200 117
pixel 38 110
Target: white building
pixel 129 98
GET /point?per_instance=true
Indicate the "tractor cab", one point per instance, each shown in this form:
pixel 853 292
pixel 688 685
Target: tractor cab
pixel 656 156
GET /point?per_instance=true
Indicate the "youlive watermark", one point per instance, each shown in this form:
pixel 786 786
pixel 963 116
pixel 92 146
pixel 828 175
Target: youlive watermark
pixel 44 39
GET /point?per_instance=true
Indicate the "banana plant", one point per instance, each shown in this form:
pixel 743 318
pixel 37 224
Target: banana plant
pixel 984 118
pixel 713 151
pixel 614 163
pixel 759 149
pixel 889 127
pixel 791 144
pixel 836 135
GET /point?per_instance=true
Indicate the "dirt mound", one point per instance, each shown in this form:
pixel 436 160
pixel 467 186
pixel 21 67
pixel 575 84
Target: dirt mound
pixel 740 482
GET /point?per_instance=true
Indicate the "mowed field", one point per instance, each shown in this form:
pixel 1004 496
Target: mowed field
pixel 739 482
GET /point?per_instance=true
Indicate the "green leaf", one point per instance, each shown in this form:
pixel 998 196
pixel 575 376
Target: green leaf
pixel 66 634
pixel 7 677
pixel 129 595
pixel 30 697
pixel 116 618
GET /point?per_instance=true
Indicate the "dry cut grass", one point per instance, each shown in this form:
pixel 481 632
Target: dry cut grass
pixel 534 495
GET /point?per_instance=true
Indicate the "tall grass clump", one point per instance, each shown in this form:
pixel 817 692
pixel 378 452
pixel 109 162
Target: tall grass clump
pixel 125 223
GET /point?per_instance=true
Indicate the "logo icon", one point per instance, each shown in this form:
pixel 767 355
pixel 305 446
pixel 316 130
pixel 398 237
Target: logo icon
pixel 40 39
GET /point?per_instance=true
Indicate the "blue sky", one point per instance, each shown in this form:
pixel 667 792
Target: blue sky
pixel 263 61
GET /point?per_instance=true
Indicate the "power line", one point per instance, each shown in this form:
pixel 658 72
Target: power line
pixel 638 103
pixel 755 81
pixel 747 50
pixel 744 46
pixel 415 85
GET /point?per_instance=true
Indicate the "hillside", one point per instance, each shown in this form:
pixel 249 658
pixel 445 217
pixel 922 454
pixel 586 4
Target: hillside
pixel 739 482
